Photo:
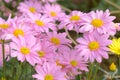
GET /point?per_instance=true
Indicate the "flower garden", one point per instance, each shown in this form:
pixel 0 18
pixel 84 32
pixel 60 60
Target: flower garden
pixel 47 40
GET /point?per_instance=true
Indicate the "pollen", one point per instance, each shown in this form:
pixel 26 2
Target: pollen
pixel 75 18
pixel 97 23
pixel 48 77
pixel 25 50
pixel 53 14
pixel 55 40
pixel 18 32
pixel 93 45
pixel 41 53
pixel 32 9
pixel 39 23
pixel 112 67
pixel 4 26
pixel 73 63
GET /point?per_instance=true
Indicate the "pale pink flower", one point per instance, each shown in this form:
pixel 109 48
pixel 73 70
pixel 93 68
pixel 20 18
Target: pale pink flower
pixel 49 71
pixel 25 49
pixel 41 23
pixel 46 52
pixel 7 53
pixel 58 40
pixel 93 46
pixel 18 27
pixel 54 11
pixel 29 6
pixel 5 25
pixel 72 61
pixel 72 21
pixel 99 21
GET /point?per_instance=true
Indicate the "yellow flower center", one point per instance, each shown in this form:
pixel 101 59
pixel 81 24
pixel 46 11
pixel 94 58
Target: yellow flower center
pixel 112 67
pixel 93 45
pixel 25 50
pixel 32 9
pixel 49 77
pixel 55 40
pixel 41 53
pixel 53 14
pixel 4 26
pixel 75 18
pixel 73 63
pixel 18 32
pixel 39 23
pixel 97 23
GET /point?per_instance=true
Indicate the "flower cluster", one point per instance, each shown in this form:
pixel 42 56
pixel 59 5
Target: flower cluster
pixel 36 39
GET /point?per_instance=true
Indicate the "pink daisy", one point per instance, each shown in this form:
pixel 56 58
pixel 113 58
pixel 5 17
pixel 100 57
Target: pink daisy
pixel 93 46
pixel 5 24
pixel 25 49
pixel 41 23
pixel 58 40
pixel 46 52
pixel 72 21
pixel 49 71
pixel 100 21
pixel 18 27
pixel 54 11
pixel 30 6
pixel 72 61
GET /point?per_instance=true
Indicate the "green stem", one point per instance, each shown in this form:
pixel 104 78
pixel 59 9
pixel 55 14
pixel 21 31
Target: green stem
pixel 70 36
pixel 96 70
pixel 3 55
pixel 113 4
pixel 119 60
pixel 91 69
pixel 66 9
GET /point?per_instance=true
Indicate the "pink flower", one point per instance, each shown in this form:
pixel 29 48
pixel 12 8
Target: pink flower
pixel 46 52
pixel 93 46
pixel 72 61
pixel 58 40
pixel 7 52
pixel 54 11
pixel 30 6
pixel 41 23
pixel 18 28
pixel 49 71
pixel 72 21
pixel 99 21
pixel 5 24
pixel 25 49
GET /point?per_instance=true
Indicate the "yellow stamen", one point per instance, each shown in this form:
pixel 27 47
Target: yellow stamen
pixel 25 50
pixel 75 18
pixel 97 23
pixel 18 32
pixel 53 14
pixel 41 53
pixel 49 77
pixel 93 45
pixel 4 26
pixel 73 63
pixel 32 9
pixel 39 23
pixel 55 40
